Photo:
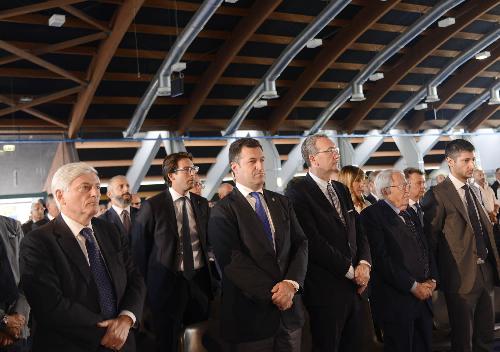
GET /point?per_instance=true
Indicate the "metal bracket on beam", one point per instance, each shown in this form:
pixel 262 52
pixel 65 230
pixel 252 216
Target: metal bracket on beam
pixel 346 151
pixel 173 143
pixel 370 145
pixel 411 155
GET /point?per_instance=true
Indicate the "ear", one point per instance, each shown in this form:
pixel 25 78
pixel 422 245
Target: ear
pixel 171 177
pixel 59 196
pixel 450 161
pixel 312 160
pixel 108 193
pixel 234 166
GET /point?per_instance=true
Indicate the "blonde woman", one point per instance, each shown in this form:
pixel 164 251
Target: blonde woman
pixel 353 177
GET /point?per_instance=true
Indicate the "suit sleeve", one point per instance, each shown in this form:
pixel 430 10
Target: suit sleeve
pixel 362 243
pixel 299 250
pixel 392 273
pixel 21 305
pixel 320 251
pixel 236 265
pixel 41 285
pixel 142 237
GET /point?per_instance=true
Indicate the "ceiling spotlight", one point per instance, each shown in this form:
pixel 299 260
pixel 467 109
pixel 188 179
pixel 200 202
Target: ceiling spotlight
pixel 260 104
pixel 179 67
pixel 483 55
pixel 164 86
pixel 376 76
pixel 494 97
pixel 432 95
pixel 357 93
pixel 421 106
pixel 446 22
pixel 269 90
pixel 57 20
pixel 314 43
pixel 25 99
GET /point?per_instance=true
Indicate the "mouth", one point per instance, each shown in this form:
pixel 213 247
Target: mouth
pixel 126 195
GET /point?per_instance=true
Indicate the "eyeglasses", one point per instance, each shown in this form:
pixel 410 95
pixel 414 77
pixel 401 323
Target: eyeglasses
pixel 189 170
pixel 199 184
pixel 87 187
pixel 402 186
pixel 331 150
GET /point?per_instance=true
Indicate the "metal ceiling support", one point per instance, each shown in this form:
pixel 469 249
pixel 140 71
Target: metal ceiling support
pixel 364 151
pixel 185 38
pixel 346 152
pixel 143 158
pixel 173 143
pixel 441 76
pixel 320 22
pixel 272 163
pixel 411 33
pixel 410 154
pixel 423 146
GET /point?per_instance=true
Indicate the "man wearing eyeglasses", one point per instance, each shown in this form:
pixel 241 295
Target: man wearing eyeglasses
pixel 404 272
pixel 339 256
pixel 170 247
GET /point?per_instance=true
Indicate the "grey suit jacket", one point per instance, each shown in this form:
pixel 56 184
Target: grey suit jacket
pixel 452 240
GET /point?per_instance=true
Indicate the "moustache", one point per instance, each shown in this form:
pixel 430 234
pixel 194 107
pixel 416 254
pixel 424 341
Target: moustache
pixel 127 194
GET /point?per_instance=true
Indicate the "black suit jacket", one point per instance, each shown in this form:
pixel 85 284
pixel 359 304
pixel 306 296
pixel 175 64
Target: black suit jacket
pixel 494 186
pixel 396 263
pixel 62 292
pixel 111 216
pixel 29 226
pixel 251 267
pixel 155 241
pixel 333 247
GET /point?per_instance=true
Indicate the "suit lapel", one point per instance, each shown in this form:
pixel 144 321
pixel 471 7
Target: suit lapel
pixel 275 212
pixel 70 246
pixel 170 211
pixel 195 203
pixel 317 194
pixel 455 198
pixel 115 218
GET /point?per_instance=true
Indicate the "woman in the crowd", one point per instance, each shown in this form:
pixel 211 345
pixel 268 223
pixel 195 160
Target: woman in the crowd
pixel 353 177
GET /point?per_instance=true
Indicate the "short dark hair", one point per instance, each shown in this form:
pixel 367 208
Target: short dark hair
pixel 412 170
pixel 236 147
pixel 497 169
pixel 457 146
pixel 171 162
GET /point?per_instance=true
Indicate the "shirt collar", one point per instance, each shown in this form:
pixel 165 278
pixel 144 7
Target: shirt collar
pixel 412 202
pixel 74 226
pixel 396 210
pixel 321 183
pixel 456 182
pixel 246 191
pixel 176 195
pixel 120 210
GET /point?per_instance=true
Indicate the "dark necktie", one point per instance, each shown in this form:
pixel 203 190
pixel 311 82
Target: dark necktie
pixel 261 214
pixel 423 256
pixel 334 199
pixel 187 247
pixel 420 213
pixel 475 221
pixel 127 223
pixel 107 298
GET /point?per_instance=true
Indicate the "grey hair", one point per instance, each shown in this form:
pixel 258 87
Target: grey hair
pixel 116 178
pixel 308 147
pixel 384 180
pixel 66 174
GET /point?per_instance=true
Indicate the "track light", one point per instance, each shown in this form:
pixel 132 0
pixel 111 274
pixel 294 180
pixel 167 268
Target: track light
pixel 421 106
pixel 57 20
pixel 164 86
pixel 376 77
pixel 432 95
pixel 357 93
pixel 269 90
pixel 314 43
pixel 260 104
pixel 494 97
pixel 483 55
pixel 446 22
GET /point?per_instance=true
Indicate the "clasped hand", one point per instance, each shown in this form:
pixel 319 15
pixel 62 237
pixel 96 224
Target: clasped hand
pixel 116 333
pixel 283 293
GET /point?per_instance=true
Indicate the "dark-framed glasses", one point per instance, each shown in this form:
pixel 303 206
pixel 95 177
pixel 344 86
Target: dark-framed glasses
pixel 189 170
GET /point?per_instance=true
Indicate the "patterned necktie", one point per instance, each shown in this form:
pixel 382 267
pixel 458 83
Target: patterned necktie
pixel 261 214
pixel 420 214
pixel 423 256
pixel 127 223
pixel 107 297
pixel 334 199
pixel 475 221
pixel 187 248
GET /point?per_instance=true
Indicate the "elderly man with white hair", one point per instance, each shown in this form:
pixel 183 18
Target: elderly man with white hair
pixel 78 275
pixel 404 273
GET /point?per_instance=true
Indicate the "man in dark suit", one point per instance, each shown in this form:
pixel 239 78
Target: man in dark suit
pixel 77 273
pixel 416 188
pixel 404 273
pixel 37 218
pixel 372 197
pixel 262 252
pixel 170 247
pixel 461 236
pixel 14 308
pixel 121 214
pixel 496 184
pixel 339 255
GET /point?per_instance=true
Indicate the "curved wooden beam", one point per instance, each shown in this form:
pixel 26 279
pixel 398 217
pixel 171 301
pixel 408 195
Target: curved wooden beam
pixel 98 66
pixel 242 33
pixel 84 17
pixel 452 86
pixel 21 10
pixel 326 57
pixel 415 55
pixel 33 112
pixel 480 116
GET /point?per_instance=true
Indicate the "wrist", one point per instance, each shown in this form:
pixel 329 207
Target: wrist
pixel 128 320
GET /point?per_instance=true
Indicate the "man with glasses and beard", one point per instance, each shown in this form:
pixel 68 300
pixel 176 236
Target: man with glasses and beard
pixel 120 213
pixel 170 247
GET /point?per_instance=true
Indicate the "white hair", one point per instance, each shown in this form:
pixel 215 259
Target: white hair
pixel 66 174
pixel 384 181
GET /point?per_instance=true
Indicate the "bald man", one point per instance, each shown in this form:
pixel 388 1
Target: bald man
pixel 224 189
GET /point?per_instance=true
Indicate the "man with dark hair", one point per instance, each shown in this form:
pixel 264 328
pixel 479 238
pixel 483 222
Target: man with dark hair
pixel 496 184
pixel 461 236
pixel 52 209
pixel 416 183
pixel 339 255
pixel 170 247
pixel 262 253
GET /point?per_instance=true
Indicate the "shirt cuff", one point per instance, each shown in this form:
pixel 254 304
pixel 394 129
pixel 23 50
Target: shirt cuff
pixel 130 315
pixel 350 273
pixel 365 262
pixel 414 287
pixel 294 284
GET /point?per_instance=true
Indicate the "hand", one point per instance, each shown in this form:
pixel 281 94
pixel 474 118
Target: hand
pixel 15 323
pixel 431 284
pixel 362 274
pixel 283 293
pixel 5 340
pixel 422 291
pixel 117 332
pixel 493 217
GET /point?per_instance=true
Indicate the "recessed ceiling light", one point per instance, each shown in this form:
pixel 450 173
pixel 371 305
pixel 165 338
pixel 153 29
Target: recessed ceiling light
pixel 26 99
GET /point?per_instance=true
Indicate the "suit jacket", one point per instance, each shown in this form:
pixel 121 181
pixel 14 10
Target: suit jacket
pixel 29 226
pixel 62 292
pixel 112 216
pixel 155 241
pixel 396 264
pixel 494 186
pixel 333 247
pixel 251 267
pixel 452 238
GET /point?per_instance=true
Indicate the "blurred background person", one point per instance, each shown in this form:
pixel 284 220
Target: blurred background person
pixel 353 177
pixel 136 201
pixel 439 178
pixel 416 184
pixel 372 197
pixel 224 189
pixel 487 194
pixel 52 209
pixel 198 186
pixel 37 217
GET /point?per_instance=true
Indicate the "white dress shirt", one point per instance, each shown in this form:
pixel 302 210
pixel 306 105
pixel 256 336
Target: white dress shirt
pixel 119 211
pixel 75 228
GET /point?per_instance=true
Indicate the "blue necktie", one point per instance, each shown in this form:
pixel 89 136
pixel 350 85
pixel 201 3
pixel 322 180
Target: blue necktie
pixel 107 298
pixel 261 213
